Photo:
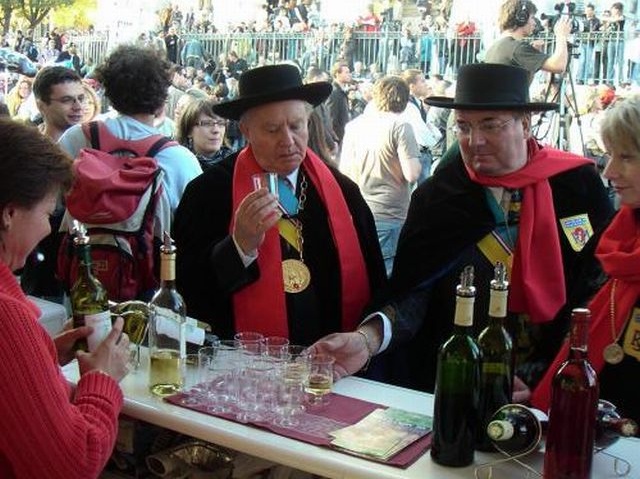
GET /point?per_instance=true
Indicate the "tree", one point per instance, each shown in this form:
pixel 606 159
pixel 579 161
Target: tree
pixel 8 7
pixel 35 11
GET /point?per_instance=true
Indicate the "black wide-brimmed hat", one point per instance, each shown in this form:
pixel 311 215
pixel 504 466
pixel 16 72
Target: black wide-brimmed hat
pixel 268 84
pixel 491 86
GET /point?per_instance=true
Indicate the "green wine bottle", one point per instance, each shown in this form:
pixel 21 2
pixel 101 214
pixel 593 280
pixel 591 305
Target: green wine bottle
pixel 89 301
pixel 457 383
pixel 496 372
pixel 167 328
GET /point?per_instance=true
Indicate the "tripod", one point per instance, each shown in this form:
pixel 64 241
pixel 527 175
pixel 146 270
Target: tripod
pixel 565 96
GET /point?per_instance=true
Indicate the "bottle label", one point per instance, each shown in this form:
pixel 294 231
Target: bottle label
pixel 498 303
pixel 464 311
pixel 101 324
pixel 167 323
pixel 494 368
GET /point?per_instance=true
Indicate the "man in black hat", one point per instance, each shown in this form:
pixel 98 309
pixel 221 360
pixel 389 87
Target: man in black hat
pixel 504 198
pixel 302 264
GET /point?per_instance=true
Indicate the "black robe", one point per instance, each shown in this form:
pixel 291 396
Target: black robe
pixel 447 216
pixel 209 269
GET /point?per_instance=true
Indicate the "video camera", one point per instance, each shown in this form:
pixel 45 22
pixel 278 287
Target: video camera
pixel 566 8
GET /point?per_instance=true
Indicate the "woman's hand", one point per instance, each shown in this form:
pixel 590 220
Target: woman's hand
pixel 111 356
pixel 66 340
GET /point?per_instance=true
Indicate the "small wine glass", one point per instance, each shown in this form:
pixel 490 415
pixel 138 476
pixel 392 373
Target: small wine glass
pixel 320 380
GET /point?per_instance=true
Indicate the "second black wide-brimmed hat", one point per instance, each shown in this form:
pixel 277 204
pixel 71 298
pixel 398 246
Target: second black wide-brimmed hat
pixel 268 84
pixel 491 86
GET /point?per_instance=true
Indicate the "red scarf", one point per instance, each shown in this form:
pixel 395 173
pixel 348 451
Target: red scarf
pixel 619 254
pixel 537 276
pixel 261 306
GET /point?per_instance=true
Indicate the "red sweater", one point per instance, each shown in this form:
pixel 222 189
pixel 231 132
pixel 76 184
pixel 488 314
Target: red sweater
pixel 46 430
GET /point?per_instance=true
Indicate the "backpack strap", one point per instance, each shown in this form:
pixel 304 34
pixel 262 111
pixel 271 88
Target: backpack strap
pixel 102 139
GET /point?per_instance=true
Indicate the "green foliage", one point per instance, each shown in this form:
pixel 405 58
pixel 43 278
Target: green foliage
pixel 79 14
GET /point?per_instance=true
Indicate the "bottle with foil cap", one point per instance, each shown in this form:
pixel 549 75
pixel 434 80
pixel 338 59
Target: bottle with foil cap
pixel 167 328
pixel 496 372
pixel 88 297
pixel 457 384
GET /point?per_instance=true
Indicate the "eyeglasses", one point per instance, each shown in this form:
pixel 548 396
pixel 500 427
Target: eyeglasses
pixel 489 127
pixel 70 100
pixel 210 123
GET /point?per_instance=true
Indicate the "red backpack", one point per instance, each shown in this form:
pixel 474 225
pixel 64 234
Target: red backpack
pixel 117 195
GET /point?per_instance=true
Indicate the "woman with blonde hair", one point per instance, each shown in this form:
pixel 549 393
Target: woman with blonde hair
pixel 92 106
pixel 614 329
pixel 17 98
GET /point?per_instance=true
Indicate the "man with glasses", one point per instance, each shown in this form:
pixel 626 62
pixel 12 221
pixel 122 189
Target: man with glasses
pixel 504 198
pixel 60 99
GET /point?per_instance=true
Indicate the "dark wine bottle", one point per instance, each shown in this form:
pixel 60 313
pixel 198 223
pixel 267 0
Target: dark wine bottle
pixel 610 426
pixel 496 376
pixel 573 406
pixel 457 382
pixel 88 297
pixel 515 429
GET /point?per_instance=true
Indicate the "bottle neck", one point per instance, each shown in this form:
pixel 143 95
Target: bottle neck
pixel 498 305
pixel 463 318
pixel 579 336
pixel 84 257
pixel 168 270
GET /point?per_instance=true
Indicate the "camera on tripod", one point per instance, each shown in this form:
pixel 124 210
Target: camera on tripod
pixel 567 8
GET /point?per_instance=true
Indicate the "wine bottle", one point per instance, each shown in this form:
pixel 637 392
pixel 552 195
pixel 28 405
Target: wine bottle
pixel 457 381
pixel 515 429
pixel 167 326
pixel 573 406
pixel 496 376
pixel 610 426
pixel 89 301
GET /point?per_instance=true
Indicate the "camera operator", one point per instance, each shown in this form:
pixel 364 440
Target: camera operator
pixel 517 22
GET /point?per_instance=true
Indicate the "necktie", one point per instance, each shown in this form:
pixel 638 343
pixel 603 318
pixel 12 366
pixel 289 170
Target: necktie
pixel 287 197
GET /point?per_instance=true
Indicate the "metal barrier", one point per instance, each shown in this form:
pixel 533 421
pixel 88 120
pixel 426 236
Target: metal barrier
pixel 596 57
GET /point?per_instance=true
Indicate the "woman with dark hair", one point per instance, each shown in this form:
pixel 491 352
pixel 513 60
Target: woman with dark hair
pixel 73 432
pixel 203 132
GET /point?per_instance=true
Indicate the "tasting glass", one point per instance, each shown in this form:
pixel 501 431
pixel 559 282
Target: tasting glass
pixel 218 365
pixel 251 345
pixel 320 379
pixel 275 346
pixel 290 384
pixel 193 389
pixel 266 180
pixel 256 390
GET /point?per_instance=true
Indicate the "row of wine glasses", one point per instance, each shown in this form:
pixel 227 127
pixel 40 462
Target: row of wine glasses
pixel 258 379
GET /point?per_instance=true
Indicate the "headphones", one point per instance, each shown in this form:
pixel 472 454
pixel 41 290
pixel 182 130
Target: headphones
pixel 522 15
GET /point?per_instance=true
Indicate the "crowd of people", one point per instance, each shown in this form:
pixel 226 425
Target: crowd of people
pixel 389 184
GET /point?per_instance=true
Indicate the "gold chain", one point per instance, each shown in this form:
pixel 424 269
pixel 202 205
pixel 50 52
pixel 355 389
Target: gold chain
pixel 296 222
pixel 612 312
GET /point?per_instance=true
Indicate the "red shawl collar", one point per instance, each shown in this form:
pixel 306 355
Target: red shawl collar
pixel 537 277
pixel 261 306
pixel 619 253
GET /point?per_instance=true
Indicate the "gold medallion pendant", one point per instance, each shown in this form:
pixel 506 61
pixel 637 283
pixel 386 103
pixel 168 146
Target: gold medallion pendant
pixel 296 276
pixel 613 353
